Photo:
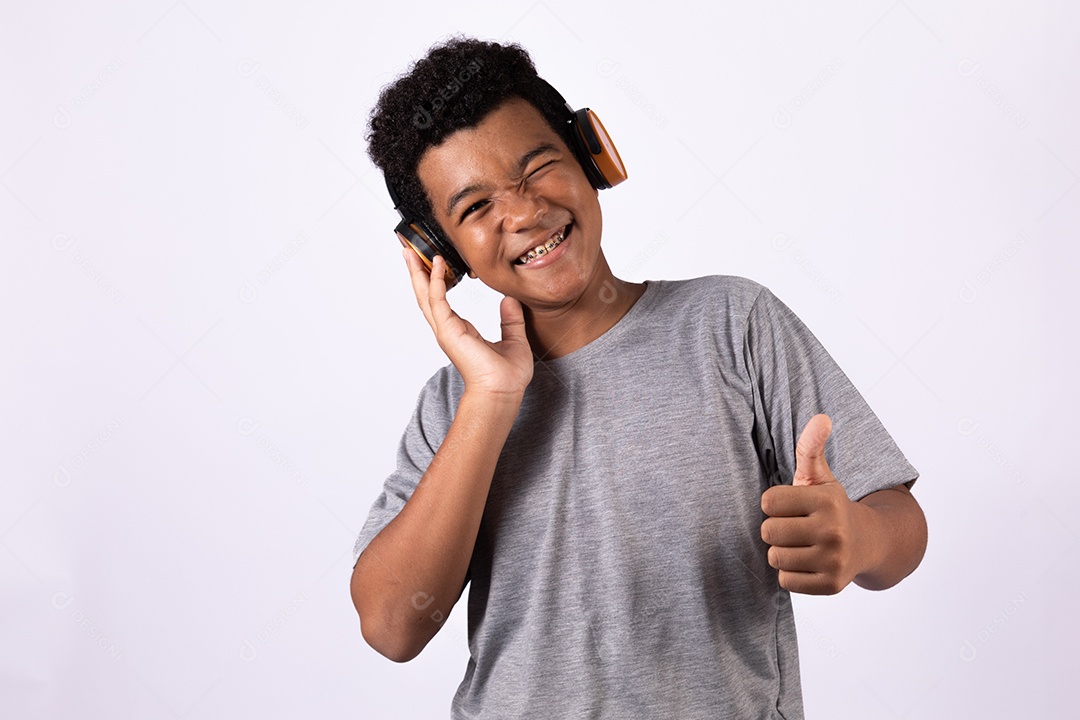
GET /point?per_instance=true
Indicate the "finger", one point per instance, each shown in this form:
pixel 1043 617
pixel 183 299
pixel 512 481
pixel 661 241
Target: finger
pixel 788 501
pixel 440 309
pixel 796 560
pixel 419 277
pixel 790 532
pixel 810 465
pixel 811 583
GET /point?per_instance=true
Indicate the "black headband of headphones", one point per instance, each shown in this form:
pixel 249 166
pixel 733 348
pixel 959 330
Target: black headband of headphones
pixel 593 150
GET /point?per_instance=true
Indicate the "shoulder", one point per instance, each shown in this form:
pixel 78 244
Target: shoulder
pixel 714 311
pixel 445 382
pixel 729 295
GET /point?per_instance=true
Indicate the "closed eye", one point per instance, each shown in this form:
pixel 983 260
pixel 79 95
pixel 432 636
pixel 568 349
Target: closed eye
pixel 548 163
pixel 533 173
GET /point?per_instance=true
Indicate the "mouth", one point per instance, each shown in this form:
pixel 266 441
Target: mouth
pixel 553 242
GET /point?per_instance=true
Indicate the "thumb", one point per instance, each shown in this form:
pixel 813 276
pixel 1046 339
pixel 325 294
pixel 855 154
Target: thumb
pixel 810 465
pixel 512 317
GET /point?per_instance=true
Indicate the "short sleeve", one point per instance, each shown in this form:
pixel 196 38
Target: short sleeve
pixel 422 437
pixel 794 378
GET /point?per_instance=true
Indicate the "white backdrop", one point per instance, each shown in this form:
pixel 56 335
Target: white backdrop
pixel 210 348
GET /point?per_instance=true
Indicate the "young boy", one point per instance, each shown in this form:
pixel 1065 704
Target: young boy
pixel 636 475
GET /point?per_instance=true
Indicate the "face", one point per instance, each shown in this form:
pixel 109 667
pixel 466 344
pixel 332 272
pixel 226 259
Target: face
pixel 518 208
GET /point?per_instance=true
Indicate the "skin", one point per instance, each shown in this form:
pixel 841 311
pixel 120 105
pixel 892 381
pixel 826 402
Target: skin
pixel 499 189
pixel 515 183
pixel 820 541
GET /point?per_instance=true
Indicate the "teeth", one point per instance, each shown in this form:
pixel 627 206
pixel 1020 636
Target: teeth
pixel 542 249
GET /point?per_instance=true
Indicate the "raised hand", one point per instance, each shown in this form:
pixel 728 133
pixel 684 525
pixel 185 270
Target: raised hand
pixel 503 367
pixel 813 529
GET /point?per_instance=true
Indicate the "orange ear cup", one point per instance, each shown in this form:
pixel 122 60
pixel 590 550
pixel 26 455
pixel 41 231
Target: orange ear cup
pixel 608 160
pixel 416 241
pixel 595 150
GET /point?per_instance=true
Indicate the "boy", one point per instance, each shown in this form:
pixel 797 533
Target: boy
pixel 622 477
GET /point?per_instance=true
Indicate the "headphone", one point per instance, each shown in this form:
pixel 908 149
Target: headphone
pixel 594 151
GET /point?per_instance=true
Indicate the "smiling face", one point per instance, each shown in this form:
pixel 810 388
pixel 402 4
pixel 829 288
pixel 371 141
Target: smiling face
pixel 518 208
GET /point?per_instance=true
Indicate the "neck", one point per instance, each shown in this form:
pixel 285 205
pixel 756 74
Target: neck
pixel 555 333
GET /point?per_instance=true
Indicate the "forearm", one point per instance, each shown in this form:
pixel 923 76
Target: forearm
pixel 411 574
pixel 893 537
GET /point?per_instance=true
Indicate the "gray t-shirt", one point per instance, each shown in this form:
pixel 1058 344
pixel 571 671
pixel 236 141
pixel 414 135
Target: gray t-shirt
pixel 619 570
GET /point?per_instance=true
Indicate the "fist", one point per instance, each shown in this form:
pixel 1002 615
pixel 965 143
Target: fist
pixel 812 528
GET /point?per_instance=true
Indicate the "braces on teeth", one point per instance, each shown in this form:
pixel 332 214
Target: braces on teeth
pixel 543 249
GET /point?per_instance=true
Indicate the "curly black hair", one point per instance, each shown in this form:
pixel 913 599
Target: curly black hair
pixel 453 87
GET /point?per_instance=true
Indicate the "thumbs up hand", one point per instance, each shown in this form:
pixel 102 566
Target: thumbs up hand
pixel 813 529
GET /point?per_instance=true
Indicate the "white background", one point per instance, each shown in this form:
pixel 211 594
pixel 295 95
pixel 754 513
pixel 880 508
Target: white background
pixel 209 347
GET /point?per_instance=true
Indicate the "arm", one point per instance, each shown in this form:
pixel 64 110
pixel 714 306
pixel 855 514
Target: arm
pixel 412 573
pixel 894 537
pixel 821 541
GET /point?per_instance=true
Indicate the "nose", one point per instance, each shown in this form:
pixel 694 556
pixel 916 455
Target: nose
pixel 523 210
